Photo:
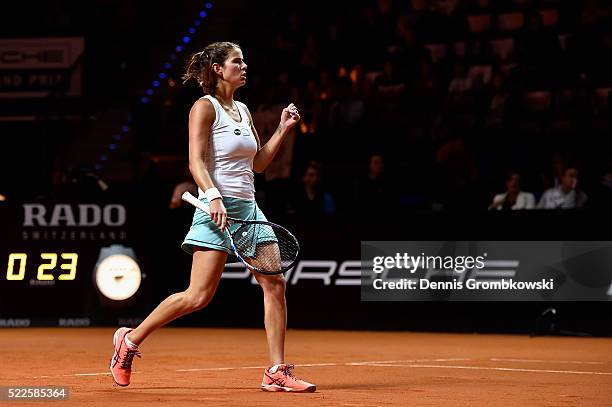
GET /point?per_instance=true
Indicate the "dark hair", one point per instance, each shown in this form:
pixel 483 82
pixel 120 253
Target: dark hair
pixel 314 164
pixel 569 166
pixel 199 65
pixel 510 172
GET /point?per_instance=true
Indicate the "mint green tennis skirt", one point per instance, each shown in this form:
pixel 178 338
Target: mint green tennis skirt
pixel 205 233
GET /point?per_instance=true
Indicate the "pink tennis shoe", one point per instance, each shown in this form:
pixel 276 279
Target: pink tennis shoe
pixel 121 362
pixel 282 379
pixel 276 378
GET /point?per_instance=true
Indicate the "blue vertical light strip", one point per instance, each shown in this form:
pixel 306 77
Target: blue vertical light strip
pixel 155 84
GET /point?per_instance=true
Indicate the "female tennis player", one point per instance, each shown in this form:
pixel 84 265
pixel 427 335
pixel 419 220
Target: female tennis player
pixel 224 150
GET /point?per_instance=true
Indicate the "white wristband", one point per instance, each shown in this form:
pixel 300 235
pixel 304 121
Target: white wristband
pixel 212 193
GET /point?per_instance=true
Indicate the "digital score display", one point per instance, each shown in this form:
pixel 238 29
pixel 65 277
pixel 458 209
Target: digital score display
pixel 47 264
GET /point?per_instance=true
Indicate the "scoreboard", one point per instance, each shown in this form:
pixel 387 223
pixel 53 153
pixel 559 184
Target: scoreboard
pixel 85 262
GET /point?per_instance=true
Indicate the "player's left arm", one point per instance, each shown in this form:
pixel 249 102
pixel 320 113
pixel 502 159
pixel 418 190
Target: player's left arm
pixel 265 154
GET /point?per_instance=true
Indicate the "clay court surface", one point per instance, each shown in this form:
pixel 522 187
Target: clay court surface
pixel 223 367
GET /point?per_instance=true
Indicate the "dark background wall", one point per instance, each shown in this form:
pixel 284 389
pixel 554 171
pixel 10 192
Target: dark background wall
pixel 451 94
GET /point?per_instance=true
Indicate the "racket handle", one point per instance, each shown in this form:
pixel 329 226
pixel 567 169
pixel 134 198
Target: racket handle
pixel 187 197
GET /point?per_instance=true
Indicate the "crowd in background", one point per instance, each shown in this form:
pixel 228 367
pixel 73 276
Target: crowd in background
pixel 469 92
pixel 444 104
pixel 441 105
pixel 452 105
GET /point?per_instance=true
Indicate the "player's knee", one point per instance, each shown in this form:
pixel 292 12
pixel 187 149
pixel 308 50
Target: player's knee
pixel 273 284
pixel 197 301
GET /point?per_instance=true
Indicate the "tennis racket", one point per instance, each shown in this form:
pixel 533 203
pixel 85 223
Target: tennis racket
pixel 264 247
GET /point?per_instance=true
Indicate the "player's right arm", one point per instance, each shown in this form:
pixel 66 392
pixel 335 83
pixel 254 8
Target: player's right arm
pixel 201 119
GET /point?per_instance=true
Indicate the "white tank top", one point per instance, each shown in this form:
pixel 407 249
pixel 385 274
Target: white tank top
pixel 231 149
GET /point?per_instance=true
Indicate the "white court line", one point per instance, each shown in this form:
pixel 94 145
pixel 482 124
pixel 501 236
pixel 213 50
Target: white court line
pixel 220 368
pixel 505 369
pixel 318 364
pixel 546 361
pixel 91 374
pixel 383 363
pixel 406 361
pixel 263 367
pixel 326 364
pixel 77 374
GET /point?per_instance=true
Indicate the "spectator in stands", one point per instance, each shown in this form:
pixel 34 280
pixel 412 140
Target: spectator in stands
pixel 566 195
pixel 309 59
pixel 497 94
pixel 457 170
pixel 188 185
pixel 348 109
pixel 513 198
pixel 390 90
pixel 461 82
pixel 378 186
pixel 375 185
pixel 426 93
pixel 408 51
pixel 309 198
pixel 391 81
pixel 558 163
pixel 179 190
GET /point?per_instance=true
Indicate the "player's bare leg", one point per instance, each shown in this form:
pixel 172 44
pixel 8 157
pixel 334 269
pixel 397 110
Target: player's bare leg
pixel 275 314
pixel 279 376
pixel 206 272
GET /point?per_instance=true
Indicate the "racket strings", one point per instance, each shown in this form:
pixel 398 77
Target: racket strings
pixel 266 247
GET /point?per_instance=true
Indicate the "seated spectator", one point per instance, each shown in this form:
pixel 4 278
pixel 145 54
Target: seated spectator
pixel 349 108
pixel 389 93
pixel 375 186
pixel 461 82
pixel 498 96
pixel 513 198
pixel 309 198
pixel 460 97
pixel 187 185
pixel 457 171
pixel 179 190
pixel 565 195
pixel 390 82
pixel 426 94
pixel 558 163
